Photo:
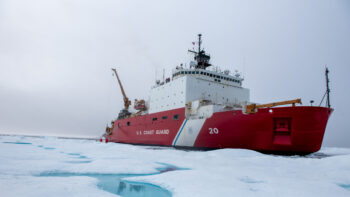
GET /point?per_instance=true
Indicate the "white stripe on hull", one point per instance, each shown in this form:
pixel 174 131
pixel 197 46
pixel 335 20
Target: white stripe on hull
pixel 188 132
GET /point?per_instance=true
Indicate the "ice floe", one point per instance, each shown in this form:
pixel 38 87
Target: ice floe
pixel 49 166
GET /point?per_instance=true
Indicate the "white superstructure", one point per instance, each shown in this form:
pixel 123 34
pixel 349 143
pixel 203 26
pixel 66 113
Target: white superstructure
pixel 189 85
pixel 197 86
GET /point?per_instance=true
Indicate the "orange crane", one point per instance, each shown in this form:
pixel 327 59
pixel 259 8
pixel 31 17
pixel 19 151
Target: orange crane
pixel 250 109
pixel 127 102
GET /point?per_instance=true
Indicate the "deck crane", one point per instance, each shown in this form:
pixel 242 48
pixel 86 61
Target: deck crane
pixel 124 113
pixel 252 108
pixel 127 102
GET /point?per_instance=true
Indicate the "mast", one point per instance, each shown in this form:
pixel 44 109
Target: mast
pixel 127 102
pixel 199 42
pixel 200 57
pixel 328 90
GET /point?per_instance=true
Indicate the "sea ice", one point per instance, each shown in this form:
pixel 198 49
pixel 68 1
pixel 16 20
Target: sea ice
pixel 48 166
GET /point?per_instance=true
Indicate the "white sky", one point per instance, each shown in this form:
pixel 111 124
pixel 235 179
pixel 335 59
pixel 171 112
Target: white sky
pixel 55 56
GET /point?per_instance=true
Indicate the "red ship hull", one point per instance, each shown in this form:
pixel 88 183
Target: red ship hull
pixel 280 129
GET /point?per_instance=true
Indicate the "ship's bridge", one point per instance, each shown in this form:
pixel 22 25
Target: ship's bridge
pixel 215 76
pixel 189 85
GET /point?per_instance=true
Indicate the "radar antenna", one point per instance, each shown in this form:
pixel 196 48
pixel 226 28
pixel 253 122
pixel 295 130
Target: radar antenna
pixel 200 57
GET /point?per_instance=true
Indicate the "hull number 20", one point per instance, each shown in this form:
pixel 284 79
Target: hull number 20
pixel 213 131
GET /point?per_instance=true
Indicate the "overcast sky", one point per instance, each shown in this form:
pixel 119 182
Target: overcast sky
pixel 56 55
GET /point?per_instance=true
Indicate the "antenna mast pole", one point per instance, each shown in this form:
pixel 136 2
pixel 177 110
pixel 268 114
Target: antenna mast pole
pixel 199 42
pixel 328 90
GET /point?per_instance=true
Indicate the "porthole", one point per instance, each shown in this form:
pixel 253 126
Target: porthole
pixel 176 117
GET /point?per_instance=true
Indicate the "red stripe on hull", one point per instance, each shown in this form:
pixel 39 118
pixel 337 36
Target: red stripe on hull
pixel 302 129
pixel 140 128
pixel 285 129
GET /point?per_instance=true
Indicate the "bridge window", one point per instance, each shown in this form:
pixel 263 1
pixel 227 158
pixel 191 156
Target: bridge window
pixel 128 123
pixel 201 73
pixel 197 72
pixel 164 117
pixel 154 119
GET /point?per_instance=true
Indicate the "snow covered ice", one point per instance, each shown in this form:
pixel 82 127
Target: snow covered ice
pixel 48 166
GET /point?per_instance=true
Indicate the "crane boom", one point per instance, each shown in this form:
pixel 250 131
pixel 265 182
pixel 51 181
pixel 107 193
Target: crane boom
pixel 252 107
pixel 127 102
